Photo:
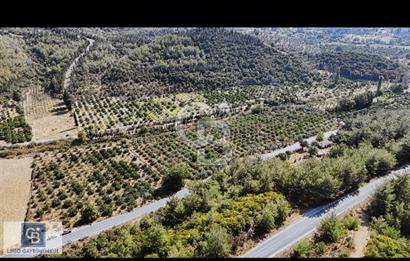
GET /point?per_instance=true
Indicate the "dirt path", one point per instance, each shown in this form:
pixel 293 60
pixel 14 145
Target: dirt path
pixel 15 178
pixel 49 118
pixel 67 76
pixel 361 236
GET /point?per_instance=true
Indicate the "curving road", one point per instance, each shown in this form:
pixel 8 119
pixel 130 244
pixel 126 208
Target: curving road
pixel 310 220
pixel 67 75
pixel 98 227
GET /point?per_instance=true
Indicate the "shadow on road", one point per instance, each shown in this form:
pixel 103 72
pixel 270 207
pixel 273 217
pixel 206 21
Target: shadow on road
pixel 318 211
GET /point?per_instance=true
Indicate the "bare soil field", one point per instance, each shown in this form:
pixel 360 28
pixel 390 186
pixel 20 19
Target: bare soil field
pixel 48 117
pixel 15 177
pixel 53 127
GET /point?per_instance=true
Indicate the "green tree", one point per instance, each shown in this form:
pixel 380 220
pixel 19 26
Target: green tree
pixel 331 230
pixel 320 136
pixel 155 241
pixel 380 161
pixel 89 214
pixel 267 220
pixel 216 243
pixel 303 250
pixel 174 212
pixel 379 86
pixel 382 246
pixel 174 178
pixel 82 136
pixel 68 100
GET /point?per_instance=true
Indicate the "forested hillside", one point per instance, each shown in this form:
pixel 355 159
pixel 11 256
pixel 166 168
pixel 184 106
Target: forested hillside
pixel 358 66
pixel 197 59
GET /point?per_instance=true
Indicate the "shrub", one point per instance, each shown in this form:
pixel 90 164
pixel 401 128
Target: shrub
pixel 106 210
pixel 351 223
pixel 216 244
pixel 303 250
pixel 320 136
pixel 89 214
pixel 174 178
pixel 331 230
pixel 268 219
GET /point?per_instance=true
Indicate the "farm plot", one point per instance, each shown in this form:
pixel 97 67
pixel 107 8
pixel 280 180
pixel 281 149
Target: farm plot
pixel 47 116
pixel 104 113
pixel 13 128
pixel 270 130
pixel 98 114
pixel 8 109
pixel 393 101
pixel 14 190
pixel 116 176
pixel 120 175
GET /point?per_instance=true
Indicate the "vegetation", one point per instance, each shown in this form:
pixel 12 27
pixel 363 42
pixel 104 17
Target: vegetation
pixel 388 129
pixel 210 223
pixel 390 214
pixel 195 59
pixel 15 130
pixel 134 95
pixel 358 66
pixel 332 234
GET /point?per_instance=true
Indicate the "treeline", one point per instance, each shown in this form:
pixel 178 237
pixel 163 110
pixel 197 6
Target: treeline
pixel 358 66
pixel 198 59
pixel 315 181
pixel 239 203
pixel 207 223
pixel 390 220
pixel 357 102
pixel 389 129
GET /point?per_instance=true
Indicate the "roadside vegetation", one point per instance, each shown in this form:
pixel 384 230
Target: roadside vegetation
pixel 334 238
pixel 390 220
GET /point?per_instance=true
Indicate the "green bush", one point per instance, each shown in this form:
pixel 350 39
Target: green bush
pixel 331 230
pixel 174 178
pixel 216 243
pixel 351 223
pixel 303 250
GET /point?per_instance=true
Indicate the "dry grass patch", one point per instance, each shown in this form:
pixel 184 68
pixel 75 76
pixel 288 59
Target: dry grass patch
pixel 15 175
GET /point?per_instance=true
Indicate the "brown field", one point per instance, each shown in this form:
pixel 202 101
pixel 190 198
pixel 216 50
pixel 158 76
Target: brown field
pixel 15 177
pixel 48 116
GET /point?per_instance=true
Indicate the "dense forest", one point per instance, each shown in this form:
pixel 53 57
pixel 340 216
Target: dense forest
pixel 358 66
pixel 390 220
pixel 36 56
pixel 14 67
pixel 197 59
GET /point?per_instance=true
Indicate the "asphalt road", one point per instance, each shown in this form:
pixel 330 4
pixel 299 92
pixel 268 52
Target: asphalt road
pixel 109 223
pixel 310 220
pixel 295 146
pixel 98 227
